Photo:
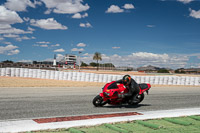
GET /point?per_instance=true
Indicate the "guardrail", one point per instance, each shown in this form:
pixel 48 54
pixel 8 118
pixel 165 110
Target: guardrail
pixel 92 77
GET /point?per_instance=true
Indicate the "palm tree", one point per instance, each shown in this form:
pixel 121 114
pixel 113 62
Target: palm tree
pixel 97 57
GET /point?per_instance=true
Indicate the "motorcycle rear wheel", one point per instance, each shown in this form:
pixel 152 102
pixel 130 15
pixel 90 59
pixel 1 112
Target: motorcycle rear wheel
pixel 98 101
pixel 140 98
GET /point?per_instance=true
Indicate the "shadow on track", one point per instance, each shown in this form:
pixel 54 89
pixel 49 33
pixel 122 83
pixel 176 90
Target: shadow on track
pixel 125 106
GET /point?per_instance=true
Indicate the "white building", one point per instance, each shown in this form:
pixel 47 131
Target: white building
pixel 70 60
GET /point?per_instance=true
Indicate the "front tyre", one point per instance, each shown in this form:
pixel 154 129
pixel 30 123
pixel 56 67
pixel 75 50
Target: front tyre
pixel 98 101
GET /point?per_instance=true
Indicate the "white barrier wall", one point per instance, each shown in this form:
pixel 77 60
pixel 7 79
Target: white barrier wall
pixel 91 77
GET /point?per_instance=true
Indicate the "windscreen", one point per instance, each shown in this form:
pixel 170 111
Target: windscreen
pixel 113 86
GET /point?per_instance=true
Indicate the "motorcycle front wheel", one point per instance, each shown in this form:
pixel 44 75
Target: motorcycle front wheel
pixel 98 101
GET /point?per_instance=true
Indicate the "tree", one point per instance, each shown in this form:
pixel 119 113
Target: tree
pixel 83 64
pixel 93 64
pixel 163 71
pixel 8 61
pixel 35 62
pixel 179 71
pixel 108 65
pixel 97 57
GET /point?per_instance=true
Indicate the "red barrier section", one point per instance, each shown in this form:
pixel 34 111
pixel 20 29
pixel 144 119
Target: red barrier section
pixel 84 117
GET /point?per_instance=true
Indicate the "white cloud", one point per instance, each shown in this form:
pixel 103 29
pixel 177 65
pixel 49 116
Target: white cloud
pixel 115 47
pixel 48 24
pixel 27 61
pixel 66 6
pixel 8 29
pixel 9 50
pixel 85 15
pixel 59 50
pixel 142 58
pixel 36 45
pixel 78 15
pixel 82 25
pixel 86 25
pixel 160 60
pixel 86 54
pixel 81 45
pixel 12 52
pixel 33 37
pixel 76 49
pixel 37 2
pixel 151 26
pixel 19 39
pixel 24 38
pixel 30 29
pixel 56 45
pixel 19 5
pixel 8 43
pixel 128 6
pixel 48 11
pixel 26 19
pixel 194 14
pixel 44 45
pixel 185 1
pixel 145 55
pixel 1 38
pixel 59 57
pixel 10 35
pixel 114 9
pixel 43 42
pixel 8 16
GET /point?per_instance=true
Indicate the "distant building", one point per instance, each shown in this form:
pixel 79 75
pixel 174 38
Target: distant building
pixel 70 60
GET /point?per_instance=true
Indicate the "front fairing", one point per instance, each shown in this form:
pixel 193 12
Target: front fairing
pixel 113 93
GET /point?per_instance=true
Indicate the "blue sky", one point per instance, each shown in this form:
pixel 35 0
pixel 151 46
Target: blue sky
pixel 163 33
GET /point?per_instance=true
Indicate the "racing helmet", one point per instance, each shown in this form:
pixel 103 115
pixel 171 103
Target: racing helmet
pixel 126 79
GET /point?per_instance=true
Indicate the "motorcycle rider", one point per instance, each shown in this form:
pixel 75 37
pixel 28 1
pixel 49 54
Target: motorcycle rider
pixel 132 86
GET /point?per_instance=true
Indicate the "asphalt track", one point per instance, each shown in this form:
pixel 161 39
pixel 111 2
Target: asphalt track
pixel 23 103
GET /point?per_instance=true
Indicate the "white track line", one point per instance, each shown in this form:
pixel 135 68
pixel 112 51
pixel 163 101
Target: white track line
pixel 30 125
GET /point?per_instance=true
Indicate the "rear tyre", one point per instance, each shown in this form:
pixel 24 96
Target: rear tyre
pixel 98 101
pixel 139 99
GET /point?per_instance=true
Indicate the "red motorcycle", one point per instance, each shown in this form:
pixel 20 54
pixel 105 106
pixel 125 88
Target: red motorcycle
pixel 111 91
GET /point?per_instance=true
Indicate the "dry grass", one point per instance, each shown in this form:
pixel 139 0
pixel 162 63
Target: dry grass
pixel 31 82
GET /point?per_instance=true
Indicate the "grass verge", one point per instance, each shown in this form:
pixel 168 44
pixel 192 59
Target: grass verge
pixel 164 125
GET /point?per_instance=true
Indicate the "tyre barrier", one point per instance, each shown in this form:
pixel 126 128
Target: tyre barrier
pixel 82 76
pixel 91 77
pixel 100 79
